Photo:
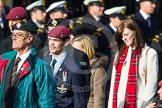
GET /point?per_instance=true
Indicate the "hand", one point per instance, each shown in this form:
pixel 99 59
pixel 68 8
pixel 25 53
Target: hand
pixel 152 105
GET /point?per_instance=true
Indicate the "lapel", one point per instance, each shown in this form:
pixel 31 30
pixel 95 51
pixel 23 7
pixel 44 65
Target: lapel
pixel 28 64
pixel 7 64
pixel 26 67
pixel 62 68
pixel 110 28
pixel 140 16
pixel 89 16
pixel 48 58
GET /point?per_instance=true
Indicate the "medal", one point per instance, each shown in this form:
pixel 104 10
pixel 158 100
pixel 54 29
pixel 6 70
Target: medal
pixel 64 76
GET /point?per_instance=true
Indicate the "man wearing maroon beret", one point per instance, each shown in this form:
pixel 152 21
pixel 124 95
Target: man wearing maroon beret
pixel 16 14
pixel 72 90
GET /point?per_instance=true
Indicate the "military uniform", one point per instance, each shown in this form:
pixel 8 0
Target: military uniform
pixel 80 57
pixel 41 36
pixel 71 85
pixel 116 15
pixel 147 32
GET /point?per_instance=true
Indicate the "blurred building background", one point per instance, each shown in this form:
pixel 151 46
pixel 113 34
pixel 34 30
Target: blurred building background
pixel 76 7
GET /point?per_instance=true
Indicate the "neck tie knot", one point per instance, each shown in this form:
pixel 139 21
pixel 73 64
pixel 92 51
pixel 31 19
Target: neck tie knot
pixel 18 59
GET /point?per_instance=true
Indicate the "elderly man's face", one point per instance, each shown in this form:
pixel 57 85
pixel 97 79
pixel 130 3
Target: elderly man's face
pixel 20 40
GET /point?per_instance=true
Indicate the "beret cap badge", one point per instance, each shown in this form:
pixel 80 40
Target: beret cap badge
pixel 18 25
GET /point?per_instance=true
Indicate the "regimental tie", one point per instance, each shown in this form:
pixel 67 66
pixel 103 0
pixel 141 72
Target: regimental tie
pixel 14 70
pixel 53 64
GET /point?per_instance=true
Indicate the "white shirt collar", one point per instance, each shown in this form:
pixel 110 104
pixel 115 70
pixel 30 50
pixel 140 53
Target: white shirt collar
pixel 145 15
pixel 23 58
pixel 59 60
pixel 113 27
pixel 38 24
pixel 96 18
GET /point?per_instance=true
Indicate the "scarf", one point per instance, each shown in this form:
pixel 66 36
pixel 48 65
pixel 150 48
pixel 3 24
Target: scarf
pixel 130 92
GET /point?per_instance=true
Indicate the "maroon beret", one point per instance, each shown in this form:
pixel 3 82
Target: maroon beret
pixel 160 83
pixel 60 32
pixel 17 13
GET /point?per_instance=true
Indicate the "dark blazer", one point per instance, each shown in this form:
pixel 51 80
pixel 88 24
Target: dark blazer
pixel 103 20
pixel 101 44
pixel 147 32
pixel 71 93
pixel 112 31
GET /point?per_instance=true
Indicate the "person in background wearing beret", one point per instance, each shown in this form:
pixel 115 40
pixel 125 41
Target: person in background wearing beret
pixel 79 56
pixel 38 17
pixel 26 80
pixel 57 10
pixel 72 90
pixel 16 14
pixel 116 15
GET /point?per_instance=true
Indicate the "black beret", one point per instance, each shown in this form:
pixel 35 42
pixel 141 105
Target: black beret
pixel 25 26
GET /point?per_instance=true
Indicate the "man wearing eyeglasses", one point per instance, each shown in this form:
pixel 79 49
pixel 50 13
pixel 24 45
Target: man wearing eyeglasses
pixel 25 79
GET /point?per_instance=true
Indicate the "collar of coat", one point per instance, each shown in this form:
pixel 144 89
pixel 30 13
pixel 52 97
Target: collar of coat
pixel 7 58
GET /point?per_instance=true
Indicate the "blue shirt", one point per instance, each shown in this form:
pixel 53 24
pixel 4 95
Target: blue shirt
pixel 59 60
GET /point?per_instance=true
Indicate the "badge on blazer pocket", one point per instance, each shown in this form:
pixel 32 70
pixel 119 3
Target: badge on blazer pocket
pixel 62 89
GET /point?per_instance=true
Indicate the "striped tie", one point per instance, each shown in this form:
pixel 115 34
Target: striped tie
pixel 14 70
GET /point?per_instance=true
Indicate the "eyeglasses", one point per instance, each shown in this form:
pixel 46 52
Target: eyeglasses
pixel 19 35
